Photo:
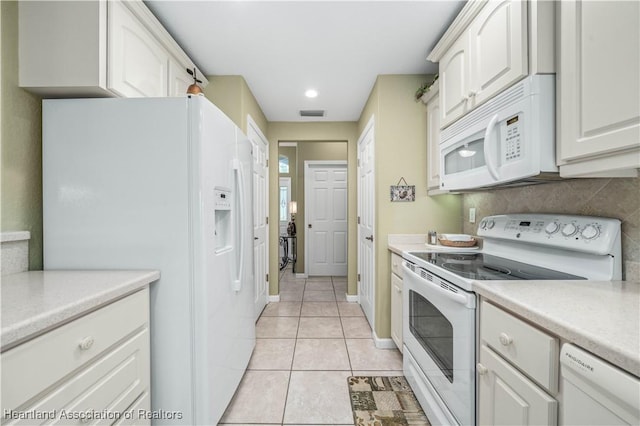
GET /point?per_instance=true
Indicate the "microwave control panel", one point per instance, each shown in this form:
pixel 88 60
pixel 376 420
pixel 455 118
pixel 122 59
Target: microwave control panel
pixel 582 233
pixel 512 131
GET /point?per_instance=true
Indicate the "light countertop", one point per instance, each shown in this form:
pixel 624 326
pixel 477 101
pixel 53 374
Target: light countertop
pixel 602 317
pixel 38 301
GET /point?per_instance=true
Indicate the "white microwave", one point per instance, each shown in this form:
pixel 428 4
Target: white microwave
pixel 508 141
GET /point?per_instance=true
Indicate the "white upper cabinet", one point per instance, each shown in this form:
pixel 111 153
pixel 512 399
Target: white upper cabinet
pixel 489 47
pixel 138 64
pixel 179 79
pixel 498 49
pixel 454 81
pixel 433 140
pixel 98 48
pixel 597 88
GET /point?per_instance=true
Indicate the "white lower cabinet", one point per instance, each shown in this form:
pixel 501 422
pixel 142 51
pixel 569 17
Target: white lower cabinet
pixel 396 300
pixel 94 369
pixel 517 371
pixel 507 397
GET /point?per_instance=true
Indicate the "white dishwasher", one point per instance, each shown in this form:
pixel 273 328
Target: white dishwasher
pixel 596 392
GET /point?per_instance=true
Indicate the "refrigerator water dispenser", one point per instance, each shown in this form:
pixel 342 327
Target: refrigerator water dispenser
pixel 222 231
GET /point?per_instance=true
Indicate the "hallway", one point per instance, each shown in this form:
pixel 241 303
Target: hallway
pixel 307 345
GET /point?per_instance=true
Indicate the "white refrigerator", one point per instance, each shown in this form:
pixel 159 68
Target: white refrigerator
pixel 161 183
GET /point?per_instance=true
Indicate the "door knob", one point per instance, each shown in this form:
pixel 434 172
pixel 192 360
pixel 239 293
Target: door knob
pixel 369 238
pixel 310 226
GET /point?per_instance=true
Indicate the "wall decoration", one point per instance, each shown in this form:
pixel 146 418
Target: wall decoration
pixel 404 192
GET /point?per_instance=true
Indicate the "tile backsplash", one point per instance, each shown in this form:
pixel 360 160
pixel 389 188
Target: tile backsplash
pixel 618 198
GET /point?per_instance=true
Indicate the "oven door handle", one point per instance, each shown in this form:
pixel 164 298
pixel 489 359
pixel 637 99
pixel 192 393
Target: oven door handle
pixel 461 299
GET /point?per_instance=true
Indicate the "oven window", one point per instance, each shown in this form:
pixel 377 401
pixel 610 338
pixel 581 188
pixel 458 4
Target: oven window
pixel 433 331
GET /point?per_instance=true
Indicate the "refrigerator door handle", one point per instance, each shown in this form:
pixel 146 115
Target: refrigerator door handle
pixel 237 168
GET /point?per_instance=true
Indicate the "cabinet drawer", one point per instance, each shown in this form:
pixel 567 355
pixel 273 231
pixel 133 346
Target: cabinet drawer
pixel 54 355
pixel 396 264
pixel 107 387
pixel 531 350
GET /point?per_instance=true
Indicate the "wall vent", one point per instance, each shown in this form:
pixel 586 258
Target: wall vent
pixel 312 113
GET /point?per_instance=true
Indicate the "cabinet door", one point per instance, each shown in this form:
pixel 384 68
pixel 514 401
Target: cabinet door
pixel 498 49
pixel 454 81
pixel 396 310
pixel 179 79
pixel 137 63
pixel 598 85
pixel 433 142
pixel 506 397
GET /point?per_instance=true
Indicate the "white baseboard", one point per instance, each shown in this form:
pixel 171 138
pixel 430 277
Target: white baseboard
pixel 275 298
pixel 303 275
pixel 386 343
pixel 353 298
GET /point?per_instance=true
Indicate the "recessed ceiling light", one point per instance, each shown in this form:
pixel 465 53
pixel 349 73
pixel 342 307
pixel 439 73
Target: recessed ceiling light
pixel 311 93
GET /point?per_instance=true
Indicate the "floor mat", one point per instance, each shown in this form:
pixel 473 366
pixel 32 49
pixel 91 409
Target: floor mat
pixel 384 401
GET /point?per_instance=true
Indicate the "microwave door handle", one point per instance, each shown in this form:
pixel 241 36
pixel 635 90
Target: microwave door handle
pixel 488 142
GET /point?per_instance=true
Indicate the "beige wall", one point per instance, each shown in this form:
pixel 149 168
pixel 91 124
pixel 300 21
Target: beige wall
pixel 21 134
pixel 617 198
pixel 232 95
pixel 401 151
pixel 313 132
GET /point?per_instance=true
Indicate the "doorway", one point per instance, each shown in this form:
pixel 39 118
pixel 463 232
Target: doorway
pixel 283 210
pixel 326 220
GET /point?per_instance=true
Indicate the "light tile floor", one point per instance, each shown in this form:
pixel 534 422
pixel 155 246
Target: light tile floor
pixel 307 345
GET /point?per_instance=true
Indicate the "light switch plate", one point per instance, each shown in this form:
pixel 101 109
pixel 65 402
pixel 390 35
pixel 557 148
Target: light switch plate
pixel 472 215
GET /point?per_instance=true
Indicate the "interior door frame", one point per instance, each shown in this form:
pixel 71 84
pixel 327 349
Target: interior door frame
pixel 308 164
pixel 253 130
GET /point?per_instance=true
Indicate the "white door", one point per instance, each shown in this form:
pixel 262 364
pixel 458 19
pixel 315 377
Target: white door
pixel 260 153
pixel 326 218
pixel 366 221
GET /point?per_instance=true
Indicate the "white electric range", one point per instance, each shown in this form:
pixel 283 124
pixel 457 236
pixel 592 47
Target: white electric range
pixel 439 324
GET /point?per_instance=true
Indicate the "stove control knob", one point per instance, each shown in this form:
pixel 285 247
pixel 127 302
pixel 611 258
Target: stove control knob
pixel 569 230
pixel 590 232
pixel 483 224
pixel 490 224
pixel 552 228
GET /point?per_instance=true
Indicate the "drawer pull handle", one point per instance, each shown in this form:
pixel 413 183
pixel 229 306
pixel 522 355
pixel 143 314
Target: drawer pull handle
pixel 482 370
pixel 86 343
pixel 505 339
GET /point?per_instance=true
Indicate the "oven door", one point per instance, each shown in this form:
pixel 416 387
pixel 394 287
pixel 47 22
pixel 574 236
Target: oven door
pixel 439 332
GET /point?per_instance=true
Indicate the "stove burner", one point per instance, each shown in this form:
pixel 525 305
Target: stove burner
pixel 471 270
pixel 481 266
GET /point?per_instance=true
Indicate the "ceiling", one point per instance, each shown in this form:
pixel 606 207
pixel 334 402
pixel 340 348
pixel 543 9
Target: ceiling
pixel 283 48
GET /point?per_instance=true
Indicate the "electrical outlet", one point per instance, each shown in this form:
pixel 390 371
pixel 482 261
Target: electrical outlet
pixel 472 215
